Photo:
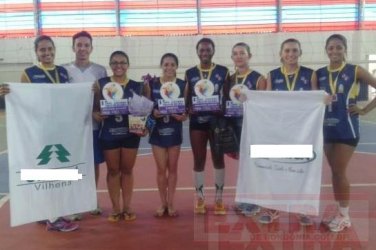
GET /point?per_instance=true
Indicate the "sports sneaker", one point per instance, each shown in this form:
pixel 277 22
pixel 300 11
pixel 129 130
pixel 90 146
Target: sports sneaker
pixel 238 207
pixel 219 208
pixel 61 225
pixel 268 216
pixel 305 220
pixel 200 206
pixel 339 223
pixel 97 211
pixel 250 210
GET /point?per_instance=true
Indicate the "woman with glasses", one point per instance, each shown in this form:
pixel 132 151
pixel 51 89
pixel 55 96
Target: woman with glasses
pixel 119 144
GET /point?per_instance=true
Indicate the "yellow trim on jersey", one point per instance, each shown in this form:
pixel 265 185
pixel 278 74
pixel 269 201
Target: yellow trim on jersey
pixel 210 70
pixel 290 85
pixel 47 73
pixel 242 76
pixel 26 76
pixel 355 88
pixel 258 81
pixel 333 84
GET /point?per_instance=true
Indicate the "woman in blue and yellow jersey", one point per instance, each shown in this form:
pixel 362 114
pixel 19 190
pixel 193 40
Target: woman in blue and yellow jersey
pixel 46 71
pixel 167 135
pixel 244 77
pixel 341 122
pixel 119 144
pixel 203 97
pixel 291 76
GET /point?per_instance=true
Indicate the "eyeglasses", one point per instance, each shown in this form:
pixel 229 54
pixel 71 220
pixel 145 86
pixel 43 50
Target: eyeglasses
pixel 118 63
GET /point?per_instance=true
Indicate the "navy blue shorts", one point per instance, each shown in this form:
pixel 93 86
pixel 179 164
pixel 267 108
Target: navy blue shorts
pixel 132 141
pixel 199 126
pixel 97 147
pixel 167 135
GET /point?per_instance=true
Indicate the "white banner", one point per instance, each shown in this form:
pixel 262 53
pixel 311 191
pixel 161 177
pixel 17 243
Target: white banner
pixel 282 118
pixel 49 126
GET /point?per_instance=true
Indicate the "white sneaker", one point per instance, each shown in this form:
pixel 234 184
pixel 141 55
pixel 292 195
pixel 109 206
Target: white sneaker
pixel 338 223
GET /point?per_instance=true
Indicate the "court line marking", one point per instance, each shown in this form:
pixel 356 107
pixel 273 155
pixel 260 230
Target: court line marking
pixel 4 152
pixel 4 200
pixel 369 122
pixel 365 153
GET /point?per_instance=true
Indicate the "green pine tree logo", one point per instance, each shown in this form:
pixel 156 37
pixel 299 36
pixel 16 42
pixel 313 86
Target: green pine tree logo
pixel 46 155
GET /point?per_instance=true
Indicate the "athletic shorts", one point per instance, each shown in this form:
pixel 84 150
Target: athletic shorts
pixel 130 142
pixel 199 126
pixel 351 142
pixel 202 123
pixel 97 147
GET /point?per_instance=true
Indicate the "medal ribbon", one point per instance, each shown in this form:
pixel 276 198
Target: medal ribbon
pixel 333 84
pixel 244 76
pixel 209 71
pixel 47 73
pixel 290 85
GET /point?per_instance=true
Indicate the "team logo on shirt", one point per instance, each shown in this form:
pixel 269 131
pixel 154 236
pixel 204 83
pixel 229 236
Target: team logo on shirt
pixel 345 77
pixel 195 79
pixel 39 76
pixel 64 76
pixel 304 80
pixel 279 81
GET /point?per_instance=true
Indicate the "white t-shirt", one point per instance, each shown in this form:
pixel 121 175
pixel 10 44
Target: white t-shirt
pixel 88 74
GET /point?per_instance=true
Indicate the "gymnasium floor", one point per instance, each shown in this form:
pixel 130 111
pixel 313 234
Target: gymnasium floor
pixel 189 231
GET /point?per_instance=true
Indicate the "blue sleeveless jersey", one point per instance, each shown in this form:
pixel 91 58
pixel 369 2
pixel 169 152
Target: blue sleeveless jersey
pixel 218 78
pixel 116 126
pixel 167 132
pixel 38 75
pixel 303 80
pixel 338 123
pixel 250 81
